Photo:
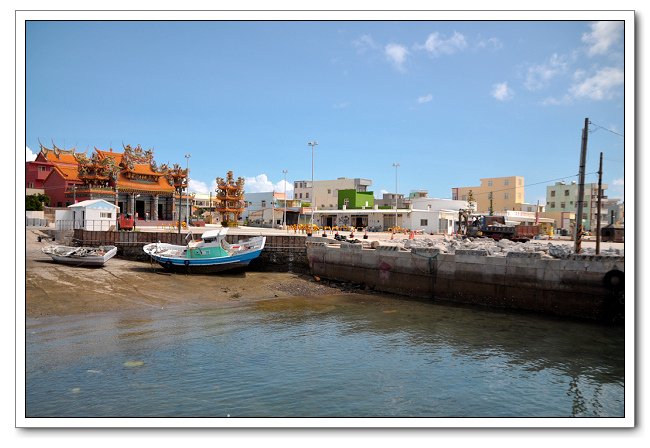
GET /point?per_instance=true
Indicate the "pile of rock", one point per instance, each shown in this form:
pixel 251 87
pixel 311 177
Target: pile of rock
pixel 449 245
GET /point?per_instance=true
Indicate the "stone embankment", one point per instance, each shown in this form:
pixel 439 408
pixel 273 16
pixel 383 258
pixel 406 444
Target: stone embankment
pixel 537 276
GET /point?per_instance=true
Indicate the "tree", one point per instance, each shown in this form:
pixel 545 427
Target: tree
pixel 34 202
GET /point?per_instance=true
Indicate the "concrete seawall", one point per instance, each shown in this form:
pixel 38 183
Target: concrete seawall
pixel 586 287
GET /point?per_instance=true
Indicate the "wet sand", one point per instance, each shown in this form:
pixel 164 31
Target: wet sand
pixel 53 289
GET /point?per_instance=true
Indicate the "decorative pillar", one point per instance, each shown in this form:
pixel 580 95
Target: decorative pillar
pixel 154 212
pixel 132 204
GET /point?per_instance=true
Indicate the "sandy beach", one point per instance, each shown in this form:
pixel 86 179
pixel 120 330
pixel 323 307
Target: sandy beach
pixel 56 289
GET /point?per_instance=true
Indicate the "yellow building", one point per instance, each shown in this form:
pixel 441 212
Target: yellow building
pixel 507 194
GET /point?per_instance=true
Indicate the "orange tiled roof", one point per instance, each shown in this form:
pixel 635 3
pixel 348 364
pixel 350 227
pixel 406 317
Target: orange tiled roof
pixel 63 158
pixel 116 155
pixel 141 168
pixel 67 172
pixel 126 184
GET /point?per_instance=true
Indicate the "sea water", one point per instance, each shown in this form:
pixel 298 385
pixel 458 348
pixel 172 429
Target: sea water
pixel 334 356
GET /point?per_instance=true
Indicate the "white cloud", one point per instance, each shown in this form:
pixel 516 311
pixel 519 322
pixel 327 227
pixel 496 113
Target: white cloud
pixel 397 55
pixel 437 45
pixel 618 182
pixel 502 92
pixel 365 43
pixel 601 86
pixel 380 194
pixel 492 42
pixel 261 183
pixel 425 98
pixel 196 186
pixel 29 155
pixel 538 76
pixel 603 35
pixel 341 105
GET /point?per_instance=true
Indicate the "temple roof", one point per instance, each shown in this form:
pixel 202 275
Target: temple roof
pixel 127 184
pixel 69 173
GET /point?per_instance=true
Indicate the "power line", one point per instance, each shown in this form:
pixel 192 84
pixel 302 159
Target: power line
pixel 524 186
pixel 608 130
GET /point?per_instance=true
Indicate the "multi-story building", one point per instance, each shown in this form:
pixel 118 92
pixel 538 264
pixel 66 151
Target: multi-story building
pixel 562 198
pixel 391 199
pixel 503 193
pixel 326 192
pixel 267 209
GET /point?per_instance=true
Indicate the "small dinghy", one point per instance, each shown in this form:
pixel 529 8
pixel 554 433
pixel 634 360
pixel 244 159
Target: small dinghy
pixel 210 254
pixel 80 256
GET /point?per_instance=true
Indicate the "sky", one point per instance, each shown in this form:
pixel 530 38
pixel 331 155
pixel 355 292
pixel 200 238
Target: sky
pixel 451 102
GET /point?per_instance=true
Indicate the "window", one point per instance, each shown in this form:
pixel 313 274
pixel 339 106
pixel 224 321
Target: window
pixel 108 215
pixel 42 168
pixel 346 202
pixel 570 202
pixel 424 222
pixel 519 182
pixel 300 195
pixel 566 192
pixel 562 204
pixel 463 197
pixel 489 183
pixel 329 191
pixel 552 204
pixel 506 182
pixel 506 196
pixel 552 193
pixel 263 203
pixel 30 185
pixel 306 195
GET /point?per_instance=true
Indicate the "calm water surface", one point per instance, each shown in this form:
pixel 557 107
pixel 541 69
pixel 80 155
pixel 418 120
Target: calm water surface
pixel 339 356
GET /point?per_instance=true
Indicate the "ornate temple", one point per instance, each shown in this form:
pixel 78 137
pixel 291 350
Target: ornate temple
pixel 131 180
pixel 230 199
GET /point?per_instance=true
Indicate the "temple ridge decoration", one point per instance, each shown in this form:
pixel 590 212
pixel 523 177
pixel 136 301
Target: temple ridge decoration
pixel 230 199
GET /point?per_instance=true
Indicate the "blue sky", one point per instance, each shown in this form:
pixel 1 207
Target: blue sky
pixel 450 101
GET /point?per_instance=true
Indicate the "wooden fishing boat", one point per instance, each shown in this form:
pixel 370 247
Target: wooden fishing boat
pixel 80 256
pixel 212 253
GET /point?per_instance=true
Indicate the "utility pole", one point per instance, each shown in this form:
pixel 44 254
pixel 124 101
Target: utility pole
pixel 284 217
pixel 537 213
pixel 187 198
pixel 74 193
pixel 313 200
pixel 581 188
pixel 491 209
pixel 396 165
pixel 600 195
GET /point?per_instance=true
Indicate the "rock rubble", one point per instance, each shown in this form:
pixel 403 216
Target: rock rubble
pixel 449 245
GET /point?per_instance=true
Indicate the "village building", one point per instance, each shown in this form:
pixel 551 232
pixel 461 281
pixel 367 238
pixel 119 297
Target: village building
pixel 130 179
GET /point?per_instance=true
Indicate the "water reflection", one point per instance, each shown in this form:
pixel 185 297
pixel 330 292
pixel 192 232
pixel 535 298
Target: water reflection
pixel 344 356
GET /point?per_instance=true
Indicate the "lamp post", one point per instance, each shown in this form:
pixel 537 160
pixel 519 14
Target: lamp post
pixel 311 224
pixel 187 198
pixel 396 165
pixel 284 217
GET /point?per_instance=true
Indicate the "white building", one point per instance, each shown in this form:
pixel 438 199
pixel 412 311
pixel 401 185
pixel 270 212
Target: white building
pixel 95 214
pixel 326 192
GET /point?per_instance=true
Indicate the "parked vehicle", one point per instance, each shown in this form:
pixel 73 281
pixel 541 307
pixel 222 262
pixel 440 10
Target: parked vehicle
pixel 495 227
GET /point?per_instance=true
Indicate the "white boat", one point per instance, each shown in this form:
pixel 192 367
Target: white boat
pixel 212 253
pixel 80 256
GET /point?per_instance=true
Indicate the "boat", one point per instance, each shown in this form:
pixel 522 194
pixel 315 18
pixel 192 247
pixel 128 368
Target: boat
pixel 212 253
pixel 80 256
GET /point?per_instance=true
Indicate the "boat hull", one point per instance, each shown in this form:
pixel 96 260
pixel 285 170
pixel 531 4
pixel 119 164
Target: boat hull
pixel 206 265
pixel 84 260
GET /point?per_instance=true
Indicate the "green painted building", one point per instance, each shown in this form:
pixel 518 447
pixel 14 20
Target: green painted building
pixel 356 199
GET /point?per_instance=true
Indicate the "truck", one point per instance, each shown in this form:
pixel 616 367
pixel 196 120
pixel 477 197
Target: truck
pixel 495 227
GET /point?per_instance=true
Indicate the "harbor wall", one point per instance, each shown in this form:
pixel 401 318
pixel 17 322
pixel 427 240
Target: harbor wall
pixel 588 287
pixel 578 286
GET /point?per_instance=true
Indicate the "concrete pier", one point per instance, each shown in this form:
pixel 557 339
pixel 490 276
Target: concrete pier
pixel 589 287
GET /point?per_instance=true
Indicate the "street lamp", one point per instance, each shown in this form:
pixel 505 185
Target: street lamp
pixel 396 165
pixel 311 225
pixel 284 217
pixel 187 198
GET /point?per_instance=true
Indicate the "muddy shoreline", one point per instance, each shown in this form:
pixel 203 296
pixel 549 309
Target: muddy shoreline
pixel 53 289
